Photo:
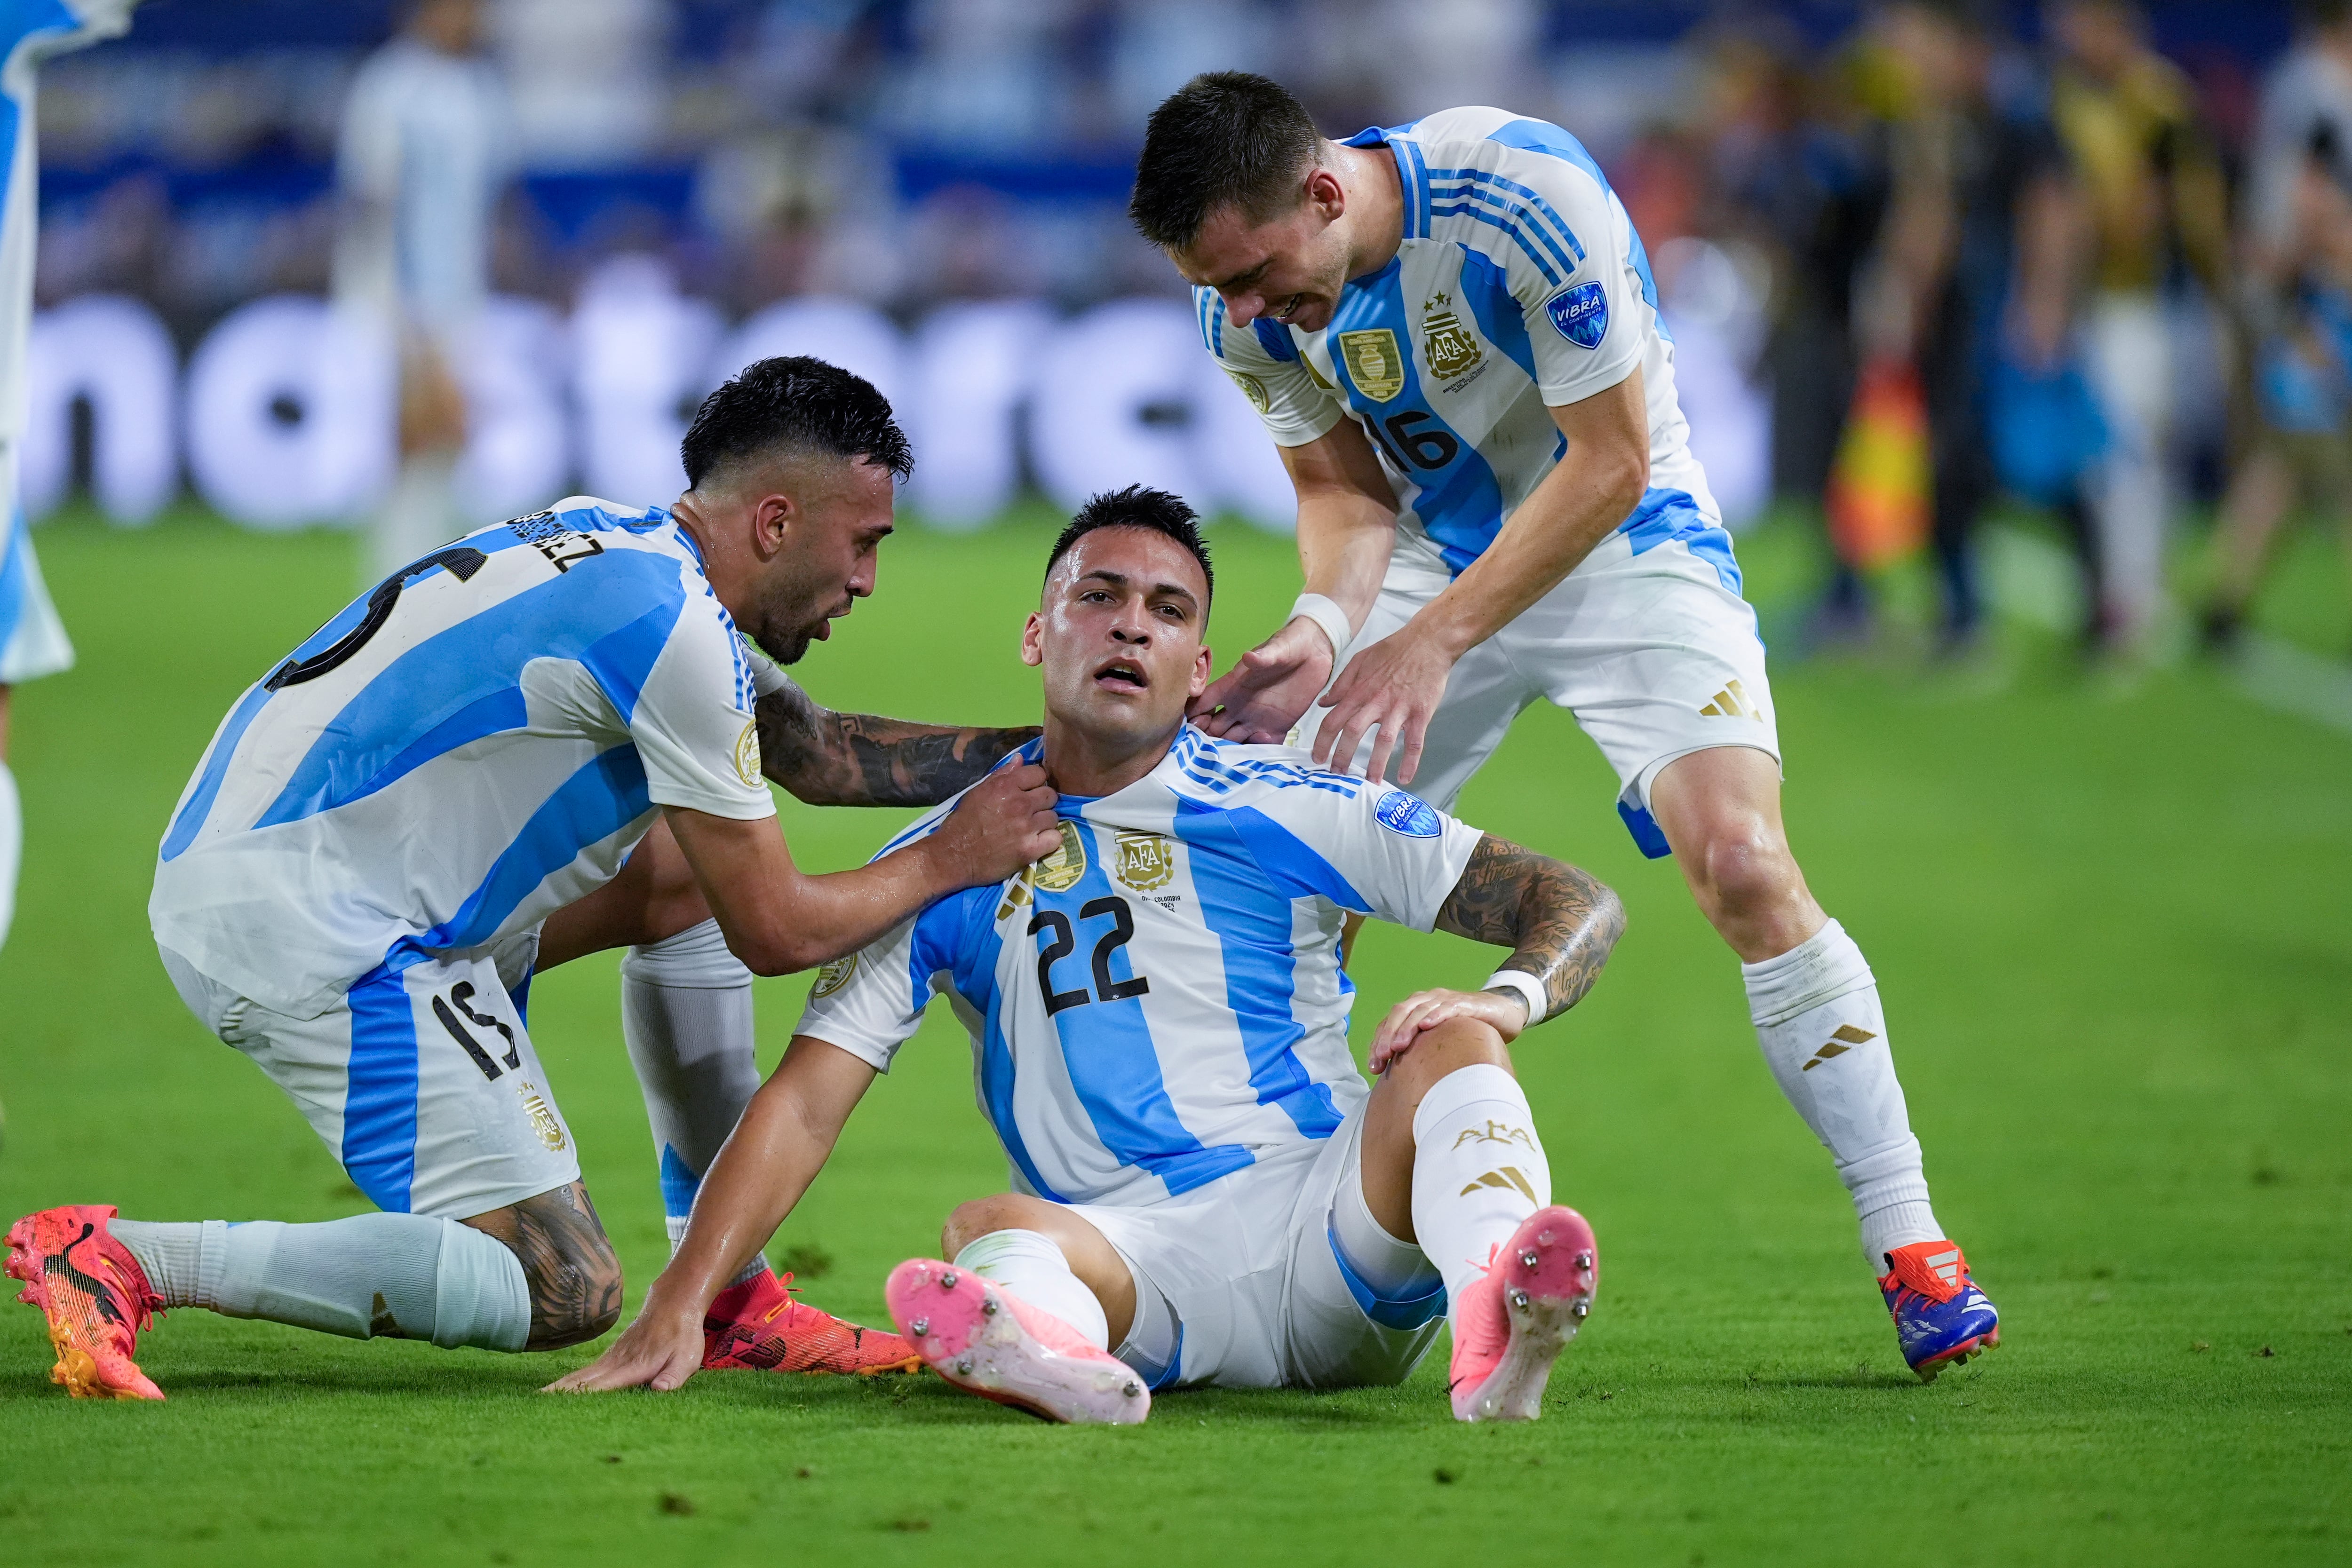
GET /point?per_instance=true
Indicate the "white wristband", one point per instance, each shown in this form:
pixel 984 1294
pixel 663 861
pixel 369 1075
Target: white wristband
pixel 1530 990
pixel 1326 613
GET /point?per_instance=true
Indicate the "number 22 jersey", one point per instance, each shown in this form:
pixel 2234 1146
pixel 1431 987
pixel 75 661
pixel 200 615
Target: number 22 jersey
pixel 1159 1002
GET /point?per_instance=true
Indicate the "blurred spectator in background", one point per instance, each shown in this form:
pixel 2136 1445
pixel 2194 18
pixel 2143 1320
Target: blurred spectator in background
pixel 1974 264
pixel 423 157
pixel 586 76
pixel 2296 300
pixel 1802 179
pixel 2153 185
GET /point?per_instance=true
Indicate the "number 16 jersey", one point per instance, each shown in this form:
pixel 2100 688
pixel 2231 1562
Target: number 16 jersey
pixel 1159 1002
pixel 1520 283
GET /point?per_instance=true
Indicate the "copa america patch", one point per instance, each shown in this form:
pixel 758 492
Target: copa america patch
pixel 1580 314
pixel 1409 814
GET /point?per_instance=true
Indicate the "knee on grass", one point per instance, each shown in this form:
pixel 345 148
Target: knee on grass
pixel 568 1265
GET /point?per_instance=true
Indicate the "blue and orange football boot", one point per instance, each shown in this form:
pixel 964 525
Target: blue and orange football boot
pixel 94 1295
pixel 758 1324
pixel 1940 1314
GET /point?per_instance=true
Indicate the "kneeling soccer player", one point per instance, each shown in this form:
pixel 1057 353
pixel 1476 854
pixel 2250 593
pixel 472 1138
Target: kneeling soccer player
pixel 352 890
pixel 1160 1019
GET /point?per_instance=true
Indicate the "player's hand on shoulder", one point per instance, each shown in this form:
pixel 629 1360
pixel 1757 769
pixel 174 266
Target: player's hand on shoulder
pixel 1392 688
pixel 1260 699
pixel 1002 823
pixel 660 1351
pixel 1426 1010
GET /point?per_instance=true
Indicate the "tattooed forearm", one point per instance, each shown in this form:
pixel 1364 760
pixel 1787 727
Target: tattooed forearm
pixel 1558 922
pixel 574 1280
pixel 828 758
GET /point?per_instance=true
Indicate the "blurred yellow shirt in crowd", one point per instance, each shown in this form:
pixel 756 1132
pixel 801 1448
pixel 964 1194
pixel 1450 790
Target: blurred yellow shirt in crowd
pixel 2147 169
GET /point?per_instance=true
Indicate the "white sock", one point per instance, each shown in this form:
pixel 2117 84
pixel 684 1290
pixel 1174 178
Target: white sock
pixel 1030 1266
pixel 686 1017
pixel 12 846
pixel 1818 1018
pixel 1478 1171
pixel 403 1276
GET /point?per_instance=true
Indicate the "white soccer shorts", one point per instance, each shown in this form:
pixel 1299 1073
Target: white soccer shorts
pixel 1656 654
pixel 1261 1296
pixel 421 1080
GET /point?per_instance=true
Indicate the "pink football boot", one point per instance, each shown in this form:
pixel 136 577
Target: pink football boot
pixel 1512 1324
pixel 988 1341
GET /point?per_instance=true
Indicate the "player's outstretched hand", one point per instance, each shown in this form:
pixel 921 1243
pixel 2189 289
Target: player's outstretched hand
pixel 1393 687
pixel 1259 702
pixel 660 1351
pixel 1427 1009
pixel 1004 822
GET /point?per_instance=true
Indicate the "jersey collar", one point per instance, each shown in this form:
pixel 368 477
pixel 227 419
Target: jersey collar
pixel 1413 171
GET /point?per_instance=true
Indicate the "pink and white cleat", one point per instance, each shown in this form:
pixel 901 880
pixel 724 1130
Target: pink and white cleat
pixel 1513 1322
pixel 988 1341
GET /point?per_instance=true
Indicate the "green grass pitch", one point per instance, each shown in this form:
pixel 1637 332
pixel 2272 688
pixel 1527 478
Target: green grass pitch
pixel 2115 940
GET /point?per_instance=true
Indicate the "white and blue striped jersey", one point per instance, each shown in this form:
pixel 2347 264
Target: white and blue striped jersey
pixel 1520 283
pixel 1161 1001
pixel 31 642
pixel 446 763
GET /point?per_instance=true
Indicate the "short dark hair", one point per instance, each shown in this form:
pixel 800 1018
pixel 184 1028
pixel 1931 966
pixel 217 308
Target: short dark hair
pixel 792 400
pixel 1224 137
pixel 1140 507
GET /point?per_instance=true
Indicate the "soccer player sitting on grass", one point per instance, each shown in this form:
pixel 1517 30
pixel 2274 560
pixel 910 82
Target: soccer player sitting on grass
pixel 1202 1178
pixel 354 889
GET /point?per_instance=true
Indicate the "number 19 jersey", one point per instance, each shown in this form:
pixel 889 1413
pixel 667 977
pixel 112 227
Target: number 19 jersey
pixel 1159 1002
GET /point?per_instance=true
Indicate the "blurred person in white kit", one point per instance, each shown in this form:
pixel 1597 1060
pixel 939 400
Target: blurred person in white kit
pixel 32 640
pixel 422 159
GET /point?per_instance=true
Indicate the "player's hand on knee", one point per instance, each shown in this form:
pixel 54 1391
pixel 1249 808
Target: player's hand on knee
pixel 1259 702
pixel 1392 688
pixel 1004 822
pixel 660 1351
pixel 1424 1010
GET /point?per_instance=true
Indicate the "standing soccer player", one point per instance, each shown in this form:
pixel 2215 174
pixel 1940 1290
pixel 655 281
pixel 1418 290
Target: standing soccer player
pixel 353 887
pixel 422 157
pixel 32 640
pixel 1451 330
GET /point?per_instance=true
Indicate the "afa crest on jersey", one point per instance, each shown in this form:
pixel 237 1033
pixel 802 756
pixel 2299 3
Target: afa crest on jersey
pixel 1449 346
pixel 1580 314
pixel 1146 861
pixel 1374 362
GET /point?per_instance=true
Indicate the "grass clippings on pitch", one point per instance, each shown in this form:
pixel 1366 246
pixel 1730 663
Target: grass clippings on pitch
pixel 2116 943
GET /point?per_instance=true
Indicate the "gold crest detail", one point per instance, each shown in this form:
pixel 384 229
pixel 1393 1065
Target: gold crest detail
pixel 1374 362
pixel 1252 389
pixel 747 754
pixel 1145 860
pixel 1446 342
pixel 542 1116
pixel 1060 872
pixel 833 977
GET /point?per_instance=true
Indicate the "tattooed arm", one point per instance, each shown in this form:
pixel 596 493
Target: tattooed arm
pixel 828 758
pixel 1558 922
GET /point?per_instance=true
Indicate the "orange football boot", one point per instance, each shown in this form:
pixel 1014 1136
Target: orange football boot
pixel 758 1324
pixel 94 1295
